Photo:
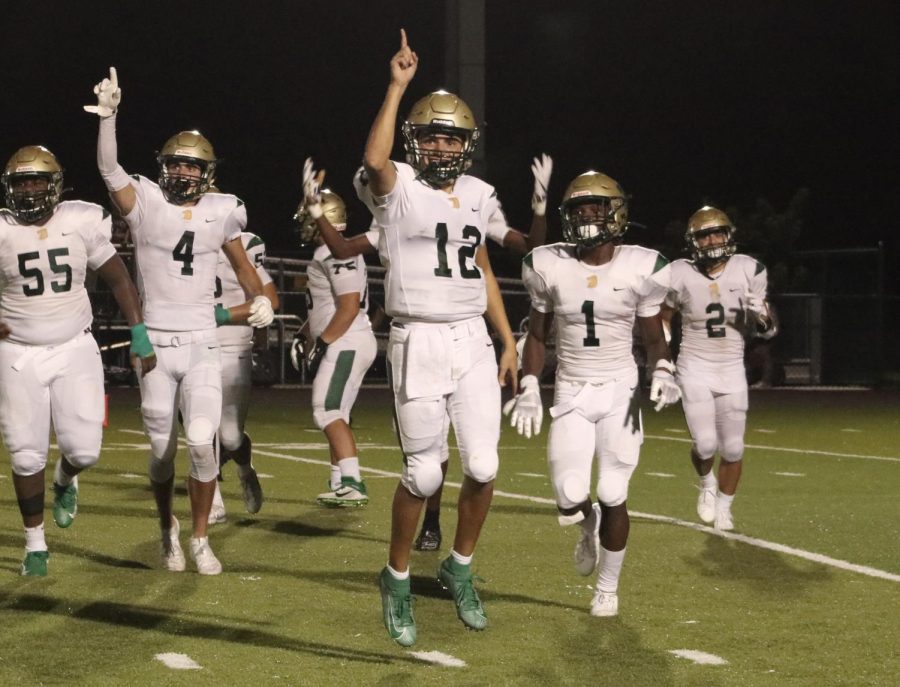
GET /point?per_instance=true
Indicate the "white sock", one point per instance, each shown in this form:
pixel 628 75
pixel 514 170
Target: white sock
pixel 350 468
pixel 34 538
pixel 60 477
pixel 460 559
pixel 217 496
pixel 610 569
pixel 723 501
pixel 398 575
pixel 335 477
pixel 709 480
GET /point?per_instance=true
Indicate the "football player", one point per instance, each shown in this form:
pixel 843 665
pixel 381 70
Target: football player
pixel 438 287
pixel 338 343
pixel 497 230
pixel 236 341
pixel 178 229
pixel 50 367
pixel 594 288
pixel 721 297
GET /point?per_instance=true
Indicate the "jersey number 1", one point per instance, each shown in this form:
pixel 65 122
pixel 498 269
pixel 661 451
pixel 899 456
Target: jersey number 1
pixel 591 339
pixel 465 253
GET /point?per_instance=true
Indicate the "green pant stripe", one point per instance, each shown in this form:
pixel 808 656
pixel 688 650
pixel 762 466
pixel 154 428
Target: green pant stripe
pixel 342 369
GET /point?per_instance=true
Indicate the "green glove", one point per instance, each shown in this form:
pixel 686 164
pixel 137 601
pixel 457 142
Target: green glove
pixel 140 342
pixel 223 315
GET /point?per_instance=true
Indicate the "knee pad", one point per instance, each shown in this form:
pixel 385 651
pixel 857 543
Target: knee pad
pixel 200 431
pixel 706 446
pixel 733 450
pixel 82 460
pixel 322 418
pixel 422 477
pixel 572 489
pixel 26 463
pixel 230 436
pixel 482 465
pixel 612 488
pixel 160 471
pixel 204 466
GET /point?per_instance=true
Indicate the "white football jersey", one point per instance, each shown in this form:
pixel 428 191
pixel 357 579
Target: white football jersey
pixel 42 271
pixel 712 312
pixel 428 243
pixel 229 291
pixel 595 307
pixel 176 251
pixel 326 279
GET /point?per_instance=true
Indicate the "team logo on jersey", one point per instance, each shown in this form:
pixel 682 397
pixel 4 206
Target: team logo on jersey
pixel 592 281
pixel 454 201
pixel 42 234
pixel 186 215
pixel 714 291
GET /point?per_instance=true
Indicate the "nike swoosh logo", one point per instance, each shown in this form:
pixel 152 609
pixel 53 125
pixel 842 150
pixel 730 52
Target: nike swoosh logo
pixel 734 290
pixel 620 288
pixel 209 220
pixel 476 209
pixel 67 233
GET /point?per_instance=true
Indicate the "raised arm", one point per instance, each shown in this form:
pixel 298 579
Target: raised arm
pixel 118 183
pixel 377 157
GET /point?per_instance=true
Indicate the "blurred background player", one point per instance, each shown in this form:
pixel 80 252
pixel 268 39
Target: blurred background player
pixel 50 367
pixel 236 341
pixel 438 286
pixel 594 288
pixel 178 230
pixel 721 297
pixel 337 341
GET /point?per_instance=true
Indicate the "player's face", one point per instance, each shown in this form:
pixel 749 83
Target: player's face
pixel 183 169
pixel 434 145
pixel 35 184
pixel 591 213
pixel 712 237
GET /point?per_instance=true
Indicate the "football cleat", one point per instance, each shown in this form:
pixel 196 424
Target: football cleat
pixel 65 503
pixel 251 491
pixel 204 558
pixel 350 494
pixel 428 539
pixel 706 503
pixel 396 606
pixel 724 520
pixel 171 555
pixel 605 604
pixel 458 580
pixel 587 549
pixel 35 564
pixel 217 512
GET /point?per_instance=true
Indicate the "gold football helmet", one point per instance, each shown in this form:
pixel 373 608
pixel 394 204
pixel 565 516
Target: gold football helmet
pixel 334 210
pixel 192 148
pixel 708 220
pixel 32 162
pixel 594 210
pixel 440 113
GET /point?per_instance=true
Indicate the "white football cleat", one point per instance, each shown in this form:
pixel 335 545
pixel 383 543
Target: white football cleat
pixel 207 563
pixel 706 504
pixel 170 552
pixel 724 520
pixel 605 605
pixel 587 549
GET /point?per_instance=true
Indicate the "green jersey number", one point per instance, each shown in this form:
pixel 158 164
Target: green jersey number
pixel 464 255
pixel 715 325
pixel 184 252
pixel 36 288
pixel 591 339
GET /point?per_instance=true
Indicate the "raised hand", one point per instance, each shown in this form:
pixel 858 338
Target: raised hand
pixel 542 167
pixel 403 63
pixel 109 95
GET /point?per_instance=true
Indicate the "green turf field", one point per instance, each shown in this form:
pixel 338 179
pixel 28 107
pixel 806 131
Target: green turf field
pixel 808 593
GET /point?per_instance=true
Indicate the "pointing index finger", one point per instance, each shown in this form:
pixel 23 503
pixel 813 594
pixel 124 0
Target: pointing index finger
pixel 113 78
pixel 403 43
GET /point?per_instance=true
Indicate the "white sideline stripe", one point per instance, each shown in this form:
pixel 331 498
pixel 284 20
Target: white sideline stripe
pixel 659 474
pixel 700 657
pixel 783 449
pixel 765 431
pixel 752 541
pixel 530 474
pixel 850 429
pixel 790 474
pixel 178 661
pixel 440 658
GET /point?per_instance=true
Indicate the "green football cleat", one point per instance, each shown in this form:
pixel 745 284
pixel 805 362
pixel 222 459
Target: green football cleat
pixel 396 605
pixel 350 494
pixel 65 504
pixel 35 563
pixel 459 581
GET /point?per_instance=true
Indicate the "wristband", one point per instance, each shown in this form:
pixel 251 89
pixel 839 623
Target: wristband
pixel 223 315
pixel 140 342
pixel 666 365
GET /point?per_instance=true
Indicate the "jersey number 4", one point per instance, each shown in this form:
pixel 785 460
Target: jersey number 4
pixel 465 253
pixel 184 252
pixel 37 287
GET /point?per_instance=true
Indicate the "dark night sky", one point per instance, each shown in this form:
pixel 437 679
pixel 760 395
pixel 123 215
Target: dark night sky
pixel 719 100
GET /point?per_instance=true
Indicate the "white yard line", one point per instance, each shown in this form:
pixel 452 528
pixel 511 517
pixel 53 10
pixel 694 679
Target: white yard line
pixel 784 449
pixel 440 658
pixel 178 661
pixel 699 657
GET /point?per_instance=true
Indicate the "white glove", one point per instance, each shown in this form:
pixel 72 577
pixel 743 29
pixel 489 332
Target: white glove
pixel 109 95
pixel 261 313
pixel 312 196
pixel 663 389
pixel 541 168
pixel 527 411
pixel 298 351
pixel 756 307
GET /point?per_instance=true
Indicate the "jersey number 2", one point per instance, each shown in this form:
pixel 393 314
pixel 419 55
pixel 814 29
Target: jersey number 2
pixel 714 328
